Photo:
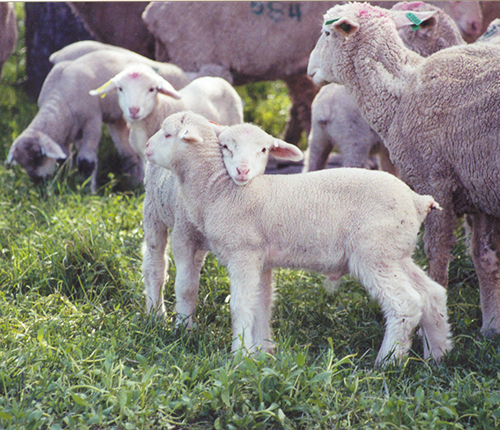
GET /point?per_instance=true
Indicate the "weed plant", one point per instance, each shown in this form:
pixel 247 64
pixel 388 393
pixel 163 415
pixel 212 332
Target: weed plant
pixel 77 350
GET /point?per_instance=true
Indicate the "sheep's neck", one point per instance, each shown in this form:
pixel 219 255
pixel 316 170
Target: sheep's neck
pixel 381 76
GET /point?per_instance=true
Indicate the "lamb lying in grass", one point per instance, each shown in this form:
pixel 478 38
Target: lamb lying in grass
pixel 336 221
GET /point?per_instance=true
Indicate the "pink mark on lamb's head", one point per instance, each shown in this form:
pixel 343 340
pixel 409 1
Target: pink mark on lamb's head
pixel 135 75
pixel 368 10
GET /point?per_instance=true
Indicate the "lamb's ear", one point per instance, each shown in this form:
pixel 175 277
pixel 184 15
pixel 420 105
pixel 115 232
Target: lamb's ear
pixel 190 135
pixel 345 26
pixel 413 19
pixel 50 148
pixel 285 151
pixel 217 127
pixel 166 88
pixel 104 89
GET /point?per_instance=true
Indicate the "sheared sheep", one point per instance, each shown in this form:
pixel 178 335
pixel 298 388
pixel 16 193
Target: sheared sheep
pixel 336 118
pixel 68 113
pixel 146 99
pixel 8 31
pixel 334 221
pixel 438 118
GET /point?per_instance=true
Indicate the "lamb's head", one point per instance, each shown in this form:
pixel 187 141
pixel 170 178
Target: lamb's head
pixel 37 153
pixel 138 86
pixel 246 149
pixel 436 33
pixel 181 136
pixel 348 28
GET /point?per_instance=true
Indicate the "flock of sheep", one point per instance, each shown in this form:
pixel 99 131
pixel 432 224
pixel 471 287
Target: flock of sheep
pixel 400 83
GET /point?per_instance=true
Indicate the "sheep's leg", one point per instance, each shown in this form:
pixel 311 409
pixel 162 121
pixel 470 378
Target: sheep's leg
pixel 439 241
pixel 245 300
pixel 262 328
pixel 189 260
pixel 132 163
pixel 434 323
pixel 318 149
pixel 402 306
pixel 154 264
pixel 87 153
pixel 486 257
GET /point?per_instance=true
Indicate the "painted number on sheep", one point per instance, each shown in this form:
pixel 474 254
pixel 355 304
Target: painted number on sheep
pixel 277 11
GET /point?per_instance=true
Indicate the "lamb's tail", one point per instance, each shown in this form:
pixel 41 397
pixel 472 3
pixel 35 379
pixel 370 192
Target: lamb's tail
pixel 425 204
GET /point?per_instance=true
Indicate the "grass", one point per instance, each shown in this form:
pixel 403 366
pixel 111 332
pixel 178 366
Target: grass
pixel 78 352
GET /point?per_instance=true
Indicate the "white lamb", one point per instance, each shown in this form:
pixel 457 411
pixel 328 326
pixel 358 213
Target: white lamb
pixel 146 99
pixel 68 114
pixel 336 119
pixel 334 221
pixel 164 210
pixel 438 118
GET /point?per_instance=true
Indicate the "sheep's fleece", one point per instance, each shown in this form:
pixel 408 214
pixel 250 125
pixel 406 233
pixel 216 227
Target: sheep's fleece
pixel 438 118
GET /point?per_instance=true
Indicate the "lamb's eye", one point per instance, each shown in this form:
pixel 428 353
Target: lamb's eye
pixel 120 89
pixel 167 135
pixel 264 150
pixel 151 90
pixel 225 146
pixel 327 33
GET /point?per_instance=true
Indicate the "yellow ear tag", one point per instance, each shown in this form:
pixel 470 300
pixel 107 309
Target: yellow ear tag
pixel 103 87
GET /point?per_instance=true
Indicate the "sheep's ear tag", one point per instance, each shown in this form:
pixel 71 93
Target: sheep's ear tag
pixel 330 22
pixel 416 21
pixel 103 87
pixel 344 26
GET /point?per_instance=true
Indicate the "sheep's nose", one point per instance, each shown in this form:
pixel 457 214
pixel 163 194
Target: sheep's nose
pixel 242 170
pixel 133 111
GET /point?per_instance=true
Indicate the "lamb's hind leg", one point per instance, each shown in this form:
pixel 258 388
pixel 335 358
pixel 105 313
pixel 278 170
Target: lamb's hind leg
pixel 486 256
pixel 402 306
pixel 434 323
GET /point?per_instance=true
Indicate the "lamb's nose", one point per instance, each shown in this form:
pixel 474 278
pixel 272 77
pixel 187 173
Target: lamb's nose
pixel 133 111
pixel 242 170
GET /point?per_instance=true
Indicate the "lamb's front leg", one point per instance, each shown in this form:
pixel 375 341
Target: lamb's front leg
pixel 261 333
pixel 486 257
pixel 189 257
pixel 245 279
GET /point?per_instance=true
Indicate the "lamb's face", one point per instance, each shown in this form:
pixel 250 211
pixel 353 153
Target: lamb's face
pixel 161 147
pixel 246 149
pixel 137 96
pixel 36 153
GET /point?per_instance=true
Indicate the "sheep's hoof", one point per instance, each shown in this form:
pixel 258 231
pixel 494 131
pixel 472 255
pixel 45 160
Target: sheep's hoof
pixel 86 167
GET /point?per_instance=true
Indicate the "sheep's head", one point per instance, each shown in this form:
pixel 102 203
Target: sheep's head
pixel 178 136
pixel 346 28
pixel 37 153
pixel 138 87
pixel 246 149
pixel 437 32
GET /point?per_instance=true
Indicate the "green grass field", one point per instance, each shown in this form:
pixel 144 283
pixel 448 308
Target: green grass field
pixel 77 350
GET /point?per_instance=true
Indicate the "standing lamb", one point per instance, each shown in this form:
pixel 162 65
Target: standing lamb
pixel 336 118
pixel 68 113
pixel 8 31
pixel 438 117
pixel 146 99
pixel 164 210
pixel 304 221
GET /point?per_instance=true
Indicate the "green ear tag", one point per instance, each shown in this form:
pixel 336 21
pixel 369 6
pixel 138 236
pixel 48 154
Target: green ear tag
pixel 331 21
pixel 416 21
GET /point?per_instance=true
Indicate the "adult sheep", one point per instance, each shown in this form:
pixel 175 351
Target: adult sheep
pixel 304 221
pixel 336 119
pixel 68 114
pixel 8 31
pixel 438 118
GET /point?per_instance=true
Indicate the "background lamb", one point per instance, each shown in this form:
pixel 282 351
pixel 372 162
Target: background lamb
pixel 437 118
pixel 69 114
pixel 8 31
pixel 254 228
pixel 336 119
pixel 146 99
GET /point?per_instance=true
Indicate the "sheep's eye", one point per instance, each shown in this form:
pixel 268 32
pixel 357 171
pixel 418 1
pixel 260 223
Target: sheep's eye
pixel 225 146
pixel 151 90
pixel 327 33
pixel 167 135
pixel 120 89
pixel 264 150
